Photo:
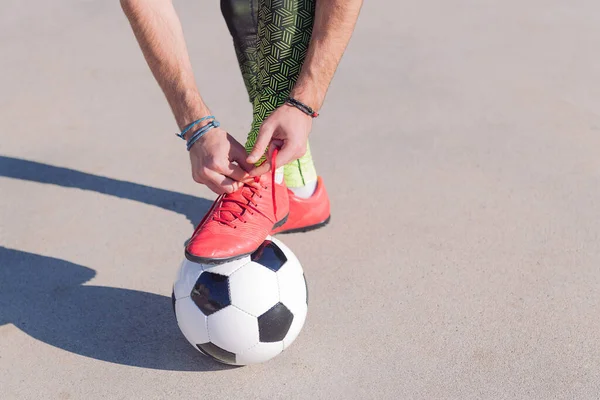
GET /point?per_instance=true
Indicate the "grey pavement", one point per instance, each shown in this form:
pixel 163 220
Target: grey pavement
pixel 460 145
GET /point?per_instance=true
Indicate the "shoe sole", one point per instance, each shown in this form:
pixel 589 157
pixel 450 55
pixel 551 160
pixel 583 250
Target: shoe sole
pixel 306 228
pixel 217 261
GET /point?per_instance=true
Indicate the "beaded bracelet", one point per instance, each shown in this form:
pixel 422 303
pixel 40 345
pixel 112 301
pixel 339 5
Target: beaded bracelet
pixel 190 126
pixel 201 132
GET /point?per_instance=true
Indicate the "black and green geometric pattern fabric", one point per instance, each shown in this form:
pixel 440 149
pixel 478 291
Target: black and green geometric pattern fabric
pixel 271 38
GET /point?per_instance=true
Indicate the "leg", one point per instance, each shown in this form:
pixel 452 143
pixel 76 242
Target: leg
pixel 271 38
pixel 284 31
pixel 240 16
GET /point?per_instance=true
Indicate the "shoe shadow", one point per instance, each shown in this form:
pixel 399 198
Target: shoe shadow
pixel 45 298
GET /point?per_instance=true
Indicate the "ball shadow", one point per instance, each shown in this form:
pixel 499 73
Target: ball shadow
pixel 46 298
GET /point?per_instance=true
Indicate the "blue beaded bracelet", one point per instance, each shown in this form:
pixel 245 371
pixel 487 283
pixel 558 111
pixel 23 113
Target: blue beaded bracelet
pixel 201 132
pixel 190 126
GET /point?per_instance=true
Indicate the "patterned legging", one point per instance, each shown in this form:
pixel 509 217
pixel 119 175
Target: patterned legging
pixel 271 38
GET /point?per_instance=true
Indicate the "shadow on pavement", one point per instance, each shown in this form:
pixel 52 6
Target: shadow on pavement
pixel 45 297
pixel 190 206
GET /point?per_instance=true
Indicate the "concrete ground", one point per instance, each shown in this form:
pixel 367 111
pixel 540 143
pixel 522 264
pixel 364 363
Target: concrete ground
pixel 460 145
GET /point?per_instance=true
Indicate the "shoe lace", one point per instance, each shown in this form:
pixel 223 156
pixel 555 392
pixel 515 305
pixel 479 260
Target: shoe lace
pixel 234 206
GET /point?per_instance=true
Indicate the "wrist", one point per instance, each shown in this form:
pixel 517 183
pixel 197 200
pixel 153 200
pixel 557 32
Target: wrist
pixel 199 134
pixel 196 127
pixel 189 107
pixel 308 94
pixel 305 109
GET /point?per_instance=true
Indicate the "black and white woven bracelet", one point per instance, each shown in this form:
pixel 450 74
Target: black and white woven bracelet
pixel 302 107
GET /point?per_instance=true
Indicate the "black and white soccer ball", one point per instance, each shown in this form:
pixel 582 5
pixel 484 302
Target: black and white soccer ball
pixel 245 311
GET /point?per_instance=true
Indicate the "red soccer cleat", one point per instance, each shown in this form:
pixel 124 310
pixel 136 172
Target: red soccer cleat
pixel 238 223
pixel 307 214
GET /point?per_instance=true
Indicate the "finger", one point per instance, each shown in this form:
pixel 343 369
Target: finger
pixel 218 183
pixel 266 165
pixel 262 141
pixel 237 185
pixel 215 188
pixel 236 173
pixel 229 185
pixel 239 155
pixel 286 155
pixel 260 170
pixel 276 144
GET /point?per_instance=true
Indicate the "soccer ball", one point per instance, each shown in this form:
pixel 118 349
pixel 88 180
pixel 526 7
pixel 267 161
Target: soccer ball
pixel 244 311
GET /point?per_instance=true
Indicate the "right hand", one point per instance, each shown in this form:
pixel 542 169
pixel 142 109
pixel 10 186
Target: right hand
pixel 213 159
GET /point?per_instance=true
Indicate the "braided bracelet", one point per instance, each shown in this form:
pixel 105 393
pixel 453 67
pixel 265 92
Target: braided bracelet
pixel 201 132
pixel 190 126
pixel 302 107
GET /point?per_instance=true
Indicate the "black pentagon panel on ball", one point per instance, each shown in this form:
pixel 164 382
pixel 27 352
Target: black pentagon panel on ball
pixel 269 255
pixel 211 292
pixel 219 354
pixel 275 323
pixel 173 299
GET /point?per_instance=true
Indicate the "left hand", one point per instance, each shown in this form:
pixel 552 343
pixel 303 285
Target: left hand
pixel 287 128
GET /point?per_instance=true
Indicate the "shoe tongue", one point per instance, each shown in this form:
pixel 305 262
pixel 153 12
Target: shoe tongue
pixel 230 203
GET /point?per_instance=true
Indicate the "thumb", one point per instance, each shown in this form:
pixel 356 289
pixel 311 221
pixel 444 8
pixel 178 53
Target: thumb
pixel 240 156
pixel 262 141
pixel 237 153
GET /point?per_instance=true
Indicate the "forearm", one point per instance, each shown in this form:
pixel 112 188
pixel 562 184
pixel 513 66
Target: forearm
pixel 160 36
pixel 333 27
